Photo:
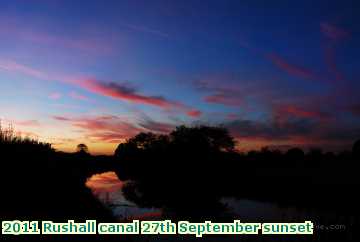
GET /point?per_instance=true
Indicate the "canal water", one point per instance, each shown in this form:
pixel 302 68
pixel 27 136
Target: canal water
pixel 108 189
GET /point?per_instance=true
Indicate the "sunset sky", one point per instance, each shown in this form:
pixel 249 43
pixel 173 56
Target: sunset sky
pixel 276 73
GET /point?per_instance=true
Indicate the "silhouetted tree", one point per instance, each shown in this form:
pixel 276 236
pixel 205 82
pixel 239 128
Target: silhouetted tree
pixel 204 137
pixel 82 148
pixel 176 170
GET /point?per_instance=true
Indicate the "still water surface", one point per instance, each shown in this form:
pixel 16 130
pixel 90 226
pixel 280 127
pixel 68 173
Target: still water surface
pixel 107 188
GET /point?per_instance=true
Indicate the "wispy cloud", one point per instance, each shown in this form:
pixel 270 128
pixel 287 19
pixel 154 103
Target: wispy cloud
pixel 334 35
pixel 14 67
pixel 147 30
pixel 157 127
pixel 291 68
pixel 225 94
pixel 125 92
pixel 194 113
pixel 286 111
pixel 109 129
pixel 122 91
pixel 149 124
pixel 114 129
pixel 61 118
pixel 225 99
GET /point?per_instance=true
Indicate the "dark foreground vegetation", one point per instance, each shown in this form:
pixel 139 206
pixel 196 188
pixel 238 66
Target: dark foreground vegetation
pixel 38 183
pixel 188 171
pixel 185 173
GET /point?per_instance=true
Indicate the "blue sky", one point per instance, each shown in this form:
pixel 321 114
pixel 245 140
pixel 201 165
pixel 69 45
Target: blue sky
pixel 278 73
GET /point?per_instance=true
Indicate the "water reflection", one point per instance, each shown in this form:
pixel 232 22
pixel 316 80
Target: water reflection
pixel 107 188
pixel 104 182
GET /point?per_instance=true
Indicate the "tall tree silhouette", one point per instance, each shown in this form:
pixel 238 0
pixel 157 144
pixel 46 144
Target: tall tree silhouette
pixel 176 170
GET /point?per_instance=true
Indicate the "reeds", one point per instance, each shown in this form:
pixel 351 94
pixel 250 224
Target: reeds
pixel 9 136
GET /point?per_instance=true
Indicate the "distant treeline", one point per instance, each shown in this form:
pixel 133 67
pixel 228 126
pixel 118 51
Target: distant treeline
pixel 191 168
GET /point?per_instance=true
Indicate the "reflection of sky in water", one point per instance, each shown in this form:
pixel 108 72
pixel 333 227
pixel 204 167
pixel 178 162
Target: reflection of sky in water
pixel 104 182
pixel 107 187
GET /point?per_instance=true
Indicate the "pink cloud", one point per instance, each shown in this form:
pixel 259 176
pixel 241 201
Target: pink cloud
pixel 292 69
pixel 110 129
pixel 17 68
pixel 222 98
pixel 114 129
pixel 222 91
pixel 194 113
pixel 334 34
pixel 283 64
pixel 291 110
pixel 117 91
pixel 124 92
